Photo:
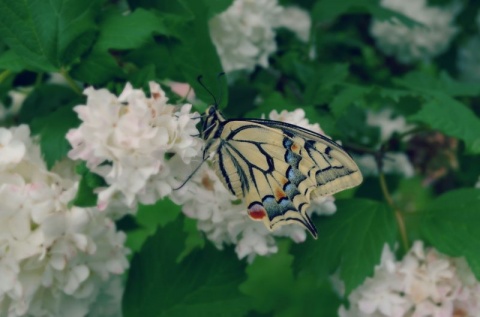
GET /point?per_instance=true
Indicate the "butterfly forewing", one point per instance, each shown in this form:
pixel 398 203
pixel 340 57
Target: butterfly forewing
pixel 277 168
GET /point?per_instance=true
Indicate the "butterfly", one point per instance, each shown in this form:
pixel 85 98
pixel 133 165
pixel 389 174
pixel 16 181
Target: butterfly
pixel 276 167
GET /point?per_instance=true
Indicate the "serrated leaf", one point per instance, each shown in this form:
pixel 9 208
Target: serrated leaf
pixel 274 101
pixel 452 118
pixel 326 78
pixel 270 281
pixel 345 98
pixel 118 32
pixel 148 219
pixel 310 298
pixel 46 99
pixel 48 35
pixel 351 241
pixel 11 61
pixel 428 83
pixel 195 55
pixel 52 129
pixel 450 224
pixel 178 8
pixel 130 31
pixel 159 214
pixel 141 77
pixel 205 283
pixel 96 68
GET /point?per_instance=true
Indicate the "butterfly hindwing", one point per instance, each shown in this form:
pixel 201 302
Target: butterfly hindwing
pixel 278 168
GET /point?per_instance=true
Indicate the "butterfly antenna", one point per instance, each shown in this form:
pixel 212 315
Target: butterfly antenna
pixel 219 87
pixel 200 81
pixel 191 175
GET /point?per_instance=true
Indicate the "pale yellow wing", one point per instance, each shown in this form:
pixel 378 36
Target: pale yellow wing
pixel 278 170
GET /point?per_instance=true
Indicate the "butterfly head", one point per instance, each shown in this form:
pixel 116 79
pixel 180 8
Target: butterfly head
pixel 212 121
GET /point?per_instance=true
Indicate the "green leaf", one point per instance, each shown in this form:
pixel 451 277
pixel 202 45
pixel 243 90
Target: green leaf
pixel 270 281
pixel 48 35
pixel 326 78
pixel 96 68
pixel 118 32
pixel 86 196
pixel 159 214
pixel 348 96
pixel 274 101
pixel 195 239
pixel 141 77
pixel 11 61
pixel 52 129
pixel 452 118
pixel 130 31
pixel 351 240
pixel 178 8
pixel 450 224
pixel 205 283
pixel 45 99
pixel 194 54
pixel 428 83
pixel 48 109
pixel 148 219
pixel 310 298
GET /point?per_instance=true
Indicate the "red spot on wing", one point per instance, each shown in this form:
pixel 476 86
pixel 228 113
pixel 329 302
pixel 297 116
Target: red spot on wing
pixel 256 211
pixel 294 147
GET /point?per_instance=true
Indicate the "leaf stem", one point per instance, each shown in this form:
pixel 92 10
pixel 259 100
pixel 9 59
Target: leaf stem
pixel 70 81
pixel 398 213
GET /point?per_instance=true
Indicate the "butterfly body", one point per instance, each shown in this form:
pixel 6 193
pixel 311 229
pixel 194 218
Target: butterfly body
pixel 276 167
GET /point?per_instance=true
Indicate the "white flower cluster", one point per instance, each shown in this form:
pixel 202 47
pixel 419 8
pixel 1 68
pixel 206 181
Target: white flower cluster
pixel 54 258
pixel 393 163
pixel 421 42
pixel 128 140
pixel 224 219
pixel 424 284
pixel 244 34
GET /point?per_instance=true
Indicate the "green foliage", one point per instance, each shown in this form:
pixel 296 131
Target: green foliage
pixel 52 129
pixel 453 118
pixel 89 181
pixel 204 283
pixel 48 35
pixel 339 77
pixel 450 224
pixel 352 240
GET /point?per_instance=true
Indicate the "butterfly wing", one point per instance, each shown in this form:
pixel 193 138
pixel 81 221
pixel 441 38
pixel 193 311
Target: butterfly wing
pixel 336 170
pixel 278 169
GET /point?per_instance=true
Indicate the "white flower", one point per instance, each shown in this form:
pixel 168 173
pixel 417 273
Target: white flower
pixel 224 218
pixel 11 150
pixel 297 20
pixel 127 140
pixel 425 283
pixel 387 122
pixel 17 97
pixel 53 258
pixel 421 42
pixel 468 61
pixel 393 162
pixel 244 34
